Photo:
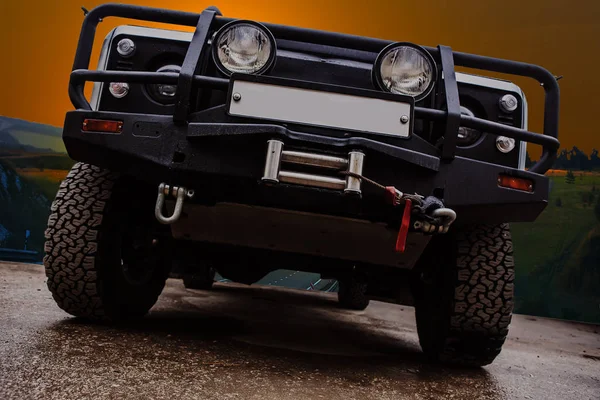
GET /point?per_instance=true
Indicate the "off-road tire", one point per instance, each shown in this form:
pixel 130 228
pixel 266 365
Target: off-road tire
pixel 200 279
pixel 464 295
pixel 83 252
pixel 352 295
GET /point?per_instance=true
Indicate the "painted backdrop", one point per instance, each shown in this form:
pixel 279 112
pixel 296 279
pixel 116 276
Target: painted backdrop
pixel 558 256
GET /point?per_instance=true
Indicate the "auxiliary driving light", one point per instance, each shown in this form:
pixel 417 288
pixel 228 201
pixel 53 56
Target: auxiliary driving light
pixel 118 89
pixel 505 144
pixel 244 46
pixel 405 68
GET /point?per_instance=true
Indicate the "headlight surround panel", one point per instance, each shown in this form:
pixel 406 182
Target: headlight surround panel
pixel 154 50
pixel 481 95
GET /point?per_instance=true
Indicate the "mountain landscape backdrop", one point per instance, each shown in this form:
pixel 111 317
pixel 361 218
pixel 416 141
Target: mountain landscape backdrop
pixel 33 161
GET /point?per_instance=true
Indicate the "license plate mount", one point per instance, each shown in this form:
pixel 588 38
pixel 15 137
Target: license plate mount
pixel 321 105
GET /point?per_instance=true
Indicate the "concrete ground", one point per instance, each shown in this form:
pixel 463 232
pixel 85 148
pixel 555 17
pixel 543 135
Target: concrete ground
pixel 262 342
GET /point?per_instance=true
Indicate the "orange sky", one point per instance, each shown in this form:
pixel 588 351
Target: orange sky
pixel 40 36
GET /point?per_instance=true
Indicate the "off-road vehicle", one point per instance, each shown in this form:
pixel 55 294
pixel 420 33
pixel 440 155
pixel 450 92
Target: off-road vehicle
pixel 244 147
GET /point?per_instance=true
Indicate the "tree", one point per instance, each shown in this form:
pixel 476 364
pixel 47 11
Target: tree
pixel 594 159
pixel 579 160
pixel 570 178
pixel 587 198
pixel 576 159
pixel 562 160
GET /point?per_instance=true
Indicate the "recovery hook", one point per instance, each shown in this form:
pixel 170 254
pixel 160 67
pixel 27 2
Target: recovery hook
pixel 180 193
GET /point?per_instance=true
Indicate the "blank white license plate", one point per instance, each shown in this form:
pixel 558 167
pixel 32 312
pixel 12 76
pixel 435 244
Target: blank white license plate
pixel 320 108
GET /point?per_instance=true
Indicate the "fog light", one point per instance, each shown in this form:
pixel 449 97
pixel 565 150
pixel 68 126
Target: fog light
pixel 126 47
pixel 118 89
pixel 505 144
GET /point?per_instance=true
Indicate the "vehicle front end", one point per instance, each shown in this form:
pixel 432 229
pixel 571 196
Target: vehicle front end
pixel 274 146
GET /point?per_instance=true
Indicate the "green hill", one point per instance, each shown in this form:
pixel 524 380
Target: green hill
pixel 16 134
pixel 558 256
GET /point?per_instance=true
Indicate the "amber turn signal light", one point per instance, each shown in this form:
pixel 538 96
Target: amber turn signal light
pixel 102 125
pixel 512 182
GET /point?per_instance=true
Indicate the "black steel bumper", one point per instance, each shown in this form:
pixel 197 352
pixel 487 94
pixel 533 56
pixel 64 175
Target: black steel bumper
pixel 225 162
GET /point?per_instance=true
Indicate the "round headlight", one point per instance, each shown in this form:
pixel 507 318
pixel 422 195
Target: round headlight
pixel 467 136
pixel 405 68
pixel 164 93
pixel 244 47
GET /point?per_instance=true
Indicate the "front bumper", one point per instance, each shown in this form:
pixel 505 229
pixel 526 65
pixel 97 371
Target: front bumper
pixel 224 162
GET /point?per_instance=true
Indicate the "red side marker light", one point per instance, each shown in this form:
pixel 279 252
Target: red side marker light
pixel 513 182
pixel 102 125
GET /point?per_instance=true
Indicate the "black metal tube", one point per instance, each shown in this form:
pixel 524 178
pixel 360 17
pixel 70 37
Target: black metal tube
pixel 314 36
pixel 194 57
pixel 80 76
pixel 551 106
pixel 453 113
pixel 91 20
pixel 88 34
pixel 209 82
pixel 491 127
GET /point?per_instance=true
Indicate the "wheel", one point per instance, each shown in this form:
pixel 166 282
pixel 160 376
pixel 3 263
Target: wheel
pixel 200 278
pixel 352 294
pixel 105 254
pixel 464 295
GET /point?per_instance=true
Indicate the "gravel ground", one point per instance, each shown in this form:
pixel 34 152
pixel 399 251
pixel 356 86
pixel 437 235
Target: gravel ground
pixel 239 342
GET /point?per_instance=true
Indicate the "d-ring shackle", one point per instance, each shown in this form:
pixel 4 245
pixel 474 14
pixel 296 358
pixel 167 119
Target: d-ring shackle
pixel 180 193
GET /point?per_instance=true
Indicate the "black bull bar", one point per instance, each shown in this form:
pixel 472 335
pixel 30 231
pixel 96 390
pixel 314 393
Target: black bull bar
pixel 211 19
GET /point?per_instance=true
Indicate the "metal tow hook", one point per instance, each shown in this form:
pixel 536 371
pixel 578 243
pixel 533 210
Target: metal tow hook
pixel 180 193
pixel 447 215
